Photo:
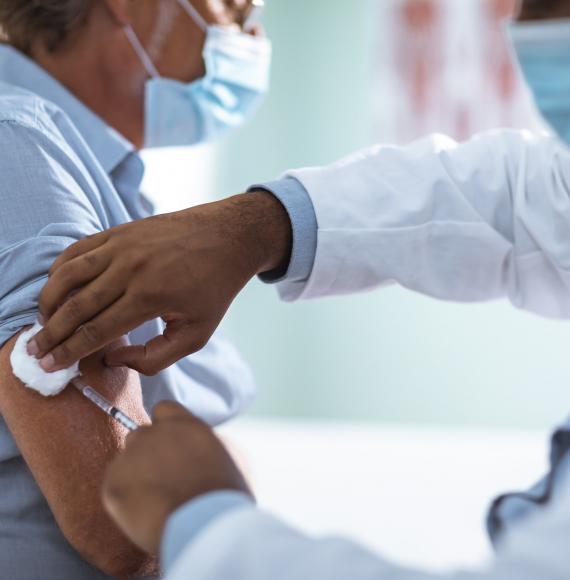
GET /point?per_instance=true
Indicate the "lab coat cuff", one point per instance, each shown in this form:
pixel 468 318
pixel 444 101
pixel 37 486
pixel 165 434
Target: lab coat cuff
pixel 297 202
pixel 188 521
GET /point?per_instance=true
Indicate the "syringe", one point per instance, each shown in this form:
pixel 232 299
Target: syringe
pixel 106 406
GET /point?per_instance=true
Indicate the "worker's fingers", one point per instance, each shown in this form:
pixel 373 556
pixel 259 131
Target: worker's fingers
pixel 111 324
pixel 180 339
pixel 168 410
pixel 69 277
pixel 81 247
pixel 80 308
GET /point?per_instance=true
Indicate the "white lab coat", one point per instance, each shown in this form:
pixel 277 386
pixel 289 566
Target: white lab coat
pixel 483 220
pixel 478 221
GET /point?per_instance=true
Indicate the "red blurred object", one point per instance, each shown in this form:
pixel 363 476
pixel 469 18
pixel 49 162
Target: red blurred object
pixel 418 51
pixel 502 9
pixel 453 70
pixel 500 64
pixel 420 13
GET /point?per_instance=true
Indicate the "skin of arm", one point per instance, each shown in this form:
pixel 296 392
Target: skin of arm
pixel 67 443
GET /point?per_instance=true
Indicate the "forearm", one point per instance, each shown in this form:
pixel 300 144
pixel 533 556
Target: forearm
pixel 280 228
pixel 259 221
pixel 67 444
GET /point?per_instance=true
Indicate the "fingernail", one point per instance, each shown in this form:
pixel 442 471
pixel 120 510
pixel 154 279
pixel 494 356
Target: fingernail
pixel 33 348
pixel 48 363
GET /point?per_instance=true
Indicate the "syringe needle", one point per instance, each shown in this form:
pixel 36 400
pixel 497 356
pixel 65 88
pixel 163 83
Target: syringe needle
pixel 105 405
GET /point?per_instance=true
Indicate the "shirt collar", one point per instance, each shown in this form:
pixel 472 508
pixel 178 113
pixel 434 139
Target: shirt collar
pixel 109 147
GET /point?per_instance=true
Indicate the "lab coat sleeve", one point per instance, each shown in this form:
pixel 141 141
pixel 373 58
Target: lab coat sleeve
pixel 247 544
pixel 476 221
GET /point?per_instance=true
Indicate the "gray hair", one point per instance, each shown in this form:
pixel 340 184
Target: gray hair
pixel 24 22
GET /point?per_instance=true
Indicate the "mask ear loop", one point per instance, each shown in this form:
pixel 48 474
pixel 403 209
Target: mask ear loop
pixel 194 14
pixel 151 70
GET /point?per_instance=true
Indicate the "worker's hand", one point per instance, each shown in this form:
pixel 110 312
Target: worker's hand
pixel 185 267
pixel 177 459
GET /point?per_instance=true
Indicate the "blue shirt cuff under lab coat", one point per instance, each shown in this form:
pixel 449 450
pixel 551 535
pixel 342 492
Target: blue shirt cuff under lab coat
pixel 192 518
pixel 296 200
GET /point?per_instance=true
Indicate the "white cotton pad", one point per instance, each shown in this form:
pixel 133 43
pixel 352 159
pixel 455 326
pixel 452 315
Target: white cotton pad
pixel 27 368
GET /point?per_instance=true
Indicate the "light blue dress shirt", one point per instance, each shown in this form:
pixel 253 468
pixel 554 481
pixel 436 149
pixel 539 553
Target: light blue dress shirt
pixel 65 174
pixel 297 202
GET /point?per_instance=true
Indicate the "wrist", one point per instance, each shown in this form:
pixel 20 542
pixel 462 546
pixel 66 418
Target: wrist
pixel 266 230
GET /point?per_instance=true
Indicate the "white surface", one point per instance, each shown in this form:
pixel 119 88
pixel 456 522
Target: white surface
pixel 417 495
pixel 27 368
pixel 177 178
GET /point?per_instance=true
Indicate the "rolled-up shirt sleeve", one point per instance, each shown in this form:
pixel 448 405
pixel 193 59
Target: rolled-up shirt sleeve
pixel 297 202
pixel 44 208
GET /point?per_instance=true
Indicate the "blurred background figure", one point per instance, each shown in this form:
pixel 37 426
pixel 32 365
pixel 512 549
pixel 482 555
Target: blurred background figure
pixel 417 66
pixel 439 378
pixel 447 67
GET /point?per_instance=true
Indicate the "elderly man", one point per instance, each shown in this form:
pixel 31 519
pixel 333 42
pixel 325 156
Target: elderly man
pixel 84 84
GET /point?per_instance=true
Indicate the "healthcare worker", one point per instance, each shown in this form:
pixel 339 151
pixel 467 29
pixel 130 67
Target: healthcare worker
pixel 481 220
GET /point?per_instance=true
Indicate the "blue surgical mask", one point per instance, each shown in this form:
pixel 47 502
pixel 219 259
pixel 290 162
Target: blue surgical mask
pixel 236 81
pixel 543 52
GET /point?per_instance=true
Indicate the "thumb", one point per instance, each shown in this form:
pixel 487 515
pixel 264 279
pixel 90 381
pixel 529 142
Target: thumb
pixel 180 339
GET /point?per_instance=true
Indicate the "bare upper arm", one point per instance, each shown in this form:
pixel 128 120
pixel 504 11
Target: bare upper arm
pixel 67 442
